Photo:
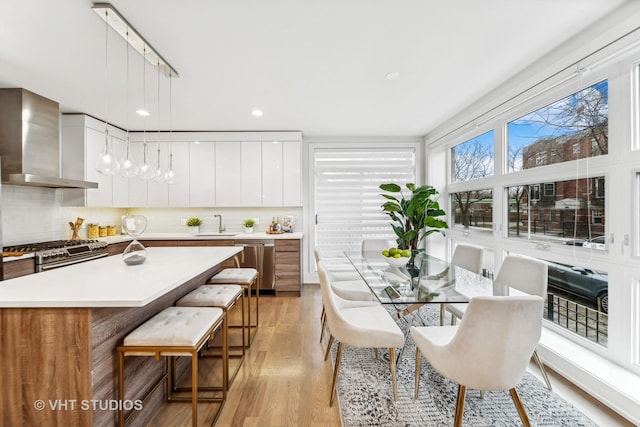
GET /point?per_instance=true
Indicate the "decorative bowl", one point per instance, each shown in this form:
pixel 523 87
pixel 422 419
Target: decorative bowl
pixel 397 262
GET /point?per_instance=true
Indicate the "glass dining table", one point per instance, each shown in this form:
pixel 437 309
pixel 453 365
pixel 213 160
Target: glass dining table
pixel 437 282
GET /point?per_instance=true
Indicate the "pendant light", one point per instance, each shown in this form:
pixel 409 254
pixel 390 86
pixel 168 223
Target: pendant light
pixel 127 166
pixel 146 170
pixel 158 175
pixel 105 163
pixel 170 175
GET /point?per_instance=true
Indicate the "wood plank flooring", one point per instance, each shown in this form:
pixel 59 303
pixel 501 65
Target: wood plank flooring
pixel 284 380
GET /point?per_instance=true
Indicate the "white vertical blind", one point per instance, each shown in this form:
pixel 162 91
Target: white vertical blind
pixel 347 197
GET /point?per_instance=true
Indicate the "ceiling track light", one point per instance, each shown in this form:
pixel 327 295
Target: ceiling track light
pixel 133 37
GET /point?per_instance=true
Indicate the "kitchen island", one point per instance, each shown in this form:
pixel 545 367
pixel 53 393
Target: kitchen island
pixel 59 330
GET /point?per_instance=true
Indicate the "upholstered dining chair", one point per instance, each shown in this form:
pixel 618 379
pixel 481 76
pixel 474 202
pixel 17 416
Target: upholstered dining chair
pixel 488 351
pixel 375 245
pixel 523 274
pixel 467 257
pixel 368 326
pixel 345 280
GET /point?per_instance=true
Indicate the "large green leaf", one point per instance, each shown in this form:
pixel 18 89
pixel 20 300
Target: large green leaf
pixel 393 188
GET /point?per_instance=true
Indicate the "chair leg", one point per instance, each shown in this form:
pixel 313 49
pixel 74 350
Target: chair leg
pixel 418 368
pixel 335 374
pixel 392 357
pixel 521 411
pixel 453 320
pixel 457 421
pixel 543 371
pixel 323 323
pixel 326 353
pixel 441 314
pixel 375 353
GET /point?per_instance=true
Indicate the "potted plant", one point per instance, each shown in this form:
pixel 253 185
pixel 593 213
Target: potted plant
pixel 248 225
pixel 194 224
pixel 414 217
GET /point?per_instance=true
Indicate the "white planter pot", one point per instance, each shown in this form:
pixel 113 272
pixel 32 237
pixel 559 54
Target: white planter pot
pixel 194 230
pixel 248 230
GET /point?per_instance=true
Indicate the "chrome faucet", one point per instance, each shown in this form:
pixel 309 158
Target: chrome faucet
pixel 220 226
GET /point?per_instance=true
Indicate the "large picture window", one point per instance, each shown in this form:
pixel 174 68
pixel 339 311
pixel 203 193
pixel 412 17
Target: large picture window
pixel 572 128
pixel 473 210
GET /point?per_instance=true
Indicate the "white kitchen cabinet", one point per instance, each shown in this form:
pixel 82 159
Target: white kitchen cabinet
pixel 202 174
pixel 120 184
pixel 228 174
pixel 251 170
pixel 271 173
pixel 291 174
pixel 137 190
pixel 83 138
pixel 158 192
pixel 179 190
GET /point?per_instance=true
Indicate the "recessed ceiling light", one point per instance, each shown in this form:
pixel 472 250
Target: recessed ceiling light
pixel 257 113
pixel 392 76
pixel 142 112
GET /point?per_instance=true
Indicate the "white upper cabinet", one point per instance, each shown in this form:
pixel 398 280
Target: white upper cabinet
pixel 228 174
pixel 83 139
pixel 271 173
pixel 202 173
pixel 231 169
pixel 251 169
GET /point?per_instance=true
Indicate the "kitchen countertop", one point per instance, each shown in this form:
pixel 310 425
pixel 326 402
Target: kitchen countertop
pixel 109 282
pixel 204 236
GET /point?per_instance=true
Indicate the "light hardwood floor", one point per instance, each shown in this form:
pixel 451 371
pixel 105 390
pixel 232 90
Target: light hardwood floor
pixel 284 380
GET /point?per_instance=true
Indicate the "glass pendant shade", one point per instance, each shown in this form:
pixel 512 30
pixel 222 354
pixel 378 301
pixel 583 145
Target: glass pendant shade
pixel 134 226
pixel 127 167
pixel 158 175
pixel 146 170
pixel 106 163
pixel 170 175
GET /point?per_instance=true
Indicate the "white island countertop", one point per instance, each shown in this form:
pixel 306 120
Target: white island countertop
pixel 261 235
pixel 109 282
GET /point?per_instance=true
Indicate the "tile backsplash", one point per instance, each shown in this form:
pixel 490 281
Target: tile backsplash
pixel 32 214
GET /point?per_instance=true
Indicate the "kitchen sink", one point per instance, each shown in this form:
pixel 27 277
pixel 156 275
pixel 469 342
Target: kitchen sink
pixel 214 234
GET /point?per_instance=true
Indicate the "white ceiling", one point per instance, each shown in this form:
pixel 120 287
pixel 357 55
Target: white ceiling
pixel 318 67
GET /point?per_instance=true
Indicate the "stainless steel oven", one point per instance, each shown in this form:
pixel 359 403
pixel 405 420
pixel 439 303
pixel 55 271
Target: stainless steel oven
pixel 60 253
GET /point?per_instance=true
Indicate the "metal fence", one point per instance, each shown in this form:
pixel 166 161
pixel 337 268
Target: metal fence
pixel 577 318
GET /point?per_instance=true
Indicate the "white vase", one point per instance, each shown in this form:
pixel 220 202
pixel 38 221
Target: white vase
pixel 194 229
pixel 248 230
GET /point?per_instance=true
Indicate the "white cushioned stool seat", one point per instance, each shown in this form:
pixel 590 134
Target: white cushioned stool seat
pixel 239 275
pixel 174 326
pixel 210 296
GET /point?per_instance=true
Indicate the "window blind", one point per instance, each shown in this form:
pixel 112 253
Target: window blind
pixel 347 197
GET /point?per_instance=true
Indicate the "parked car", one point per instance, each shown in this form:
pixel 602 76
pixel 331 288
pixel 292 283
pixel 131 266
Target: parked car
pixel 595 243
pixel 585 283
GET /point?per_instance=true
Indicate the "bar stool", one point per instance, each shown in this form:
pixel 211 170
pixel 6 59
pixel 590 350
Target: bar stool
pixel 247 278
pixel 223 297
pixel 175 331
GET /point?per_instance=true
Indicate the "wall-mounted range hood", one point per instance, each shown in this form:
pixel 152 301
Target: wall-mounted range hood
pixel 30 141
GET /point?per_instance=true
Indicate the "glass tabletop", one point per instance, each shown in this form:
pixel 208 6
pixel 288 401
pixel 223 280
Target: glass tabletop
pixel 437 280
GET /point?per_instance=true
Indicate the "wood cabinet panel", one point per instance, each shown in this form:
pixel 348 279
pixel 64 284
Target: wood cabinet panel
pixel 288 266
pixel 117 248
pixel 19 267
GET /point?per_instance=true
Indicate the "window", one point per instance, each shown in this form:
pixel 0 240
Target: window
pixel 568 128
pixel 598 188
pixel 347 197
pixel 473 159
pixel 473 210
pixel 564 214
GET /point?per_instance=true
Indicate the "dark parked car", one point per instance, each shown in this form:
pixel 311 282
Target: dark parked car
pixel 588 284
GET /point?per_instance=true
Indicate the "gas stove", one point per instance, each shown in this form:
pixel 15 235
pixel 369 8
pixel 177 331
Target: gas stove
pixel 59 253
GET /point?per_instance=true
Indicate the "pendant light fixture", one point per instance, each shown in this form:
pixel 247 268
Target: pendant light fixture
pixel 127 166
pixel 158 175
pixel 146 170
pixel 170 176
pixel 105 163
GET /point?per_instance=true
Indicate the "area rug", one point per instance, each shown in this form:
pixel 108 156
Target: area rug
pixel 366 398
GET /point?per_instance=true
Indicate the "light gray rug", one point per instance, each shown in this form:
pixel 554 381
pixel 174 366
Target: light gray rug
pixel 366 398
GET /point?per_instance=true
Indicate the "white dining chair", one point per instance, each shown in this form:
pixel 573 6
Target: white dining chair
pixel 527 275
pixel 488 351
pixel 467 257
pixel 368 326
pixel 376 245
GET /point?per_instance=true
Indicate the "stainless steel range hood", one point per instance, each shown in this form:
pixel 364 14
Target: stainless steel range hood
pixel 30 141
